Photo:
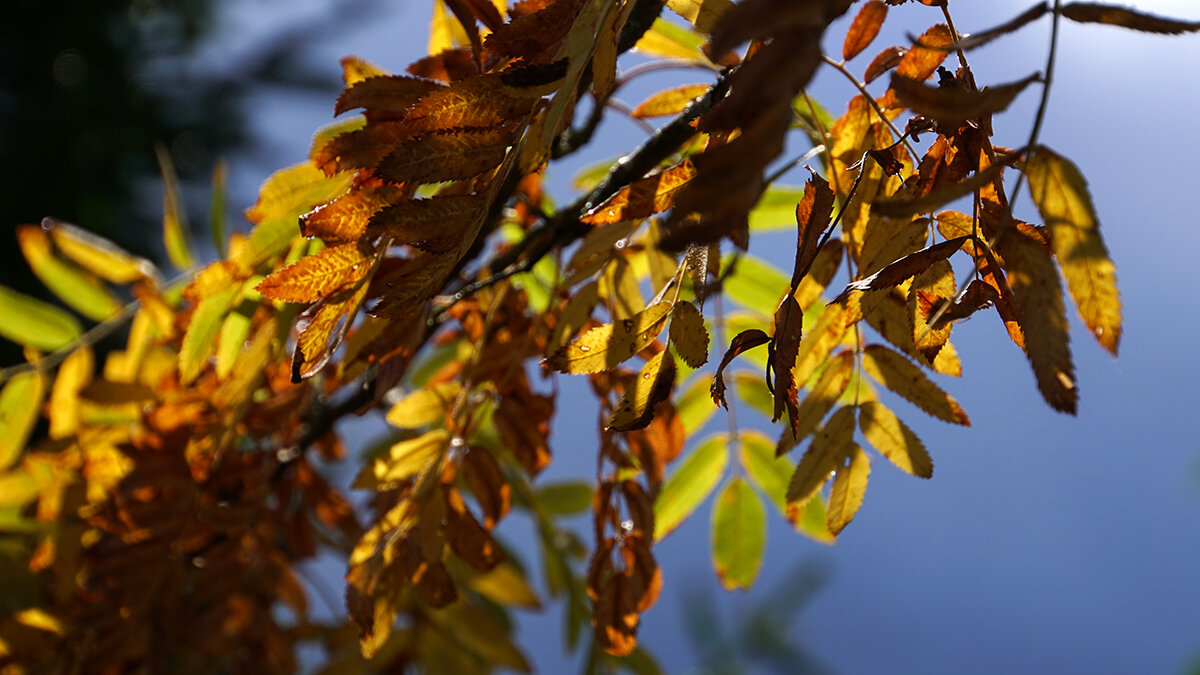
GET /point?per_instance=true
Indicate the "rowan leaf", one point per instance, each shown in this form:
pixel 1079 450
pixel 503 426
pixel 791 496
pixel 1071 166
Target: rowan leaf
pixel 482 101
pixel 849 486
pixel 983 37
pixel 74 286
pixel 820 273
pixel 935 285
pixel 819 401
pixel 894 440
pixel 669 101
pixel 1113 15
pixel 203 328
pixel 812 218
pixel 747 339
pixel 20 400
pixel 898 271
pixel 884 61
pixel 864 28
pixel 566 498
pixel 1039 308
pixel 33 323
pixel 289 192
pixel 703 14
pixel 231 341
pixel 345 218
pixel 923 59
pixel 97 254
pixel 384 93
pixel 315 326
pixel 175 228
pixel 403 461
pixel 319 275
pixel 74 374
pixel 643 197
pixel 753 283
pixel 688 334
pixel 1062 197
pixel 608 346
pixel 785 345
pixel 690 483
pixel 901 208
pixel 446 155
pixel 824 336
pixel 695 406
pixel 952 106
pixel 821 458
pixel 671 41
pixel 436 224
pixel 739 535
pixel 651 386
pixel 899 375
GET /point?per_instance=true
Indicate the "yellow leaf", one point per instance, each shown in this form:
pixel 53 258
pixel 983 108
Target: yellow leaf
pixel 355 69
pixel 316 276
pixel 669 101
pixel 97 254
pixel 424 406
pixel 289 192
pixel 403 461
pixel 820 400
pixel 739 535
pixel 205 325
pixel 74 374
pixel 574 315
pixel 33 323
pixel 772 475
pixel 1062 197
pixel 19 403
pixel 650 387
pixel 703 14
pixel 849 486
pixel 175 229
pixel 819 342
pixel 688 334
pixel 887 313
pixel 671 41
pixel 232 340
pixel 894 440
pixel 643 197
pixel 821 458
pixel 899 374
pixel 76 287
pixel 935 284
pixel 608 346
pixel 689 484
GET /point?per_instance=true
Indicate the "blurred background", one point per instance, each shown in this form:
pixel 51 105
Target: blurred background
pixel 1044 543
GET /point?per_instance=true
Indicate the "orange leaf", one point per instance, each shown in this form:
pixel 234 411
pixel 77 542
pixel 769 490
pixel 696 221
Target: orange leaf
pixel 389 94
pixel 643 197
pixel 311 278
pixel 864 29
pixel 481 101
pixel 362 148
pixel 884 61
pixel 923 59
pixel 447 155
pixel 345 218
pixel 435 224
pixel 688 334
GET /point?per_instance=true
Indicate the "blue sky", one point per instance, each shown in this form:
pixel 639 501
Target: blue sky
pixel 1044 543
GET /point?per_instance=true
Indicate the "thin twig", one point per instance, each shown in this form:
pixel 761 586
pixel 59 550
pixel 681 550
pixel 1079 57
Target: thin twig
pixel 862 88
pixel 1041 111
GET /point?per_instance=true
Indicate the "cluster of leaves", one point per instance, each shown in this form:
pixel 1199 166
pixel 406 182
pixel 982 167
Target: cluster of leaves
pixel 164 513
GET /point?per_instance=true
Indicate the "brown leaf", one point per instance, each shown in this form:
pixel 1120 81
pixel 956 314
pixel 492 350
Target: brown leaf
pixel 952 106
pixel 446 66
pixel 747 339
pixel 905 268
pixel 643 197
pixel 389 94
pixel 785 345
pixel 865 27
pixel 535 75
pixel 361 148
pixel 812 217
pixel 884 61
pixel 1094 12
pixel 345 218
pixel 983 37
pixel 483 475
pixel 927 54
pixel 313 277
pixel 534 33
pixel 467 538
pixel 446 155
pixel 482 101
pixel 899 208
pixel 977 296
pixel 435 224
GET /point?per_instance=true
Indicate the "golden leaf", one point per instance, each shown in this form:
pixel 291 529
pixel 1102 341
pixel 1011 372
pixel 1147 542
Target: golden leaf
pixel 76 287
pixel 820 400
pixel 899 374
pixel 608 346
pixel 849 486
pixel 820 341
pixel 643 197
pixel 1062 197
pixel 289 192
pixel 820 273
pixel 574 315
pixel 936 285
pixel 446 155
pixel 436 224
pixel 884 61
pixel 313 277
pixel 669 101
pixel 865 27
pixel 650 387
pixel 74 374
pixel 894 440
pixel 703 14
pixel 920 62
pixel 316 324
pixel 425 406
pixel 887 313
pixel 345 218
pixel 688 334
pixel 97 254
pixel 403 461
pixel 821 458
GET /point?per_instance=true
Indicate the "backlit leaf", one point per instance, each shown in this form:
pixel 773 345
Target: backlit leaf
pixel 900 375
pixel 608 346
pixel 690 483
pixel 74 374
pixel 76 287
pixel 289 192
pixel 205 325
pixel 403 461
pixel 821 458
pixel 435 224
pixel 346 218
pixel 315 276
pixel 33 323
pixel 231 341
pixel 747 339
pixel 20 400
pixel 1094 12
pixel 894 440
pixel 688 334
pixel 643 197
pixel 884 61
pixel 425 406
pixel 175 228
pixel 670 41
pixel 567 498
pixel 754 283
pixel 651 386
pixel 820 400
pixel 384 93
pixel 446 155
pixel 669 101
pixel 97 254
pixel 907 267
pixel 478 102
pixel 703 14
pixel 849 486
pixel 739 535
pixel 1062 197
pixel 695 406
pixel 865 27
pixel 923 59
pixel 816 346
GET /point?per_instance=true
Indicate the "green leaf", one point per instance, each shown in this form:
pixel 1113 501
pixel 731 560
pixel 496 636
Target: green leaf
pixel 567 498
pixel 33 323
pixel 175 228
pixel 695 406
pixel 690 484
pixel 776 209
pixel 752 390
pixel 590 176
pixel 755 284
pixel 772 476
pixel 206 323
pixel 739 535
pixel 234 331
pixel 75 286
pixel 19 403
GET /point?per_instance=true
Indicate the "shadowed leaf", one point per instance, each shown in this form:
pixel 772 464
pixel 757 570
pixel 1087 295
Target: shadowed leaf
pixel 951 105
pixel 608 346
pixel 849 486
pixel 1113 15
pixel 894 440
pixel 899 374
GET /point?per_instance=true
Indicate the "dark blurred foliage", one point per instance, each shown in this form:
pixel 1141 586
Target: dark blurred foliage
pixel 88 87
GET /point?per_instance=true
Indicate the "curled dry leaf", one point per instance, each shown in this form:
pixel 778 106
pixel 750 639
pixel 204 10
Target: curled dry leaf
pixel 884 61
pixel 1113 15
pixel 952 106
pixel 747 339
